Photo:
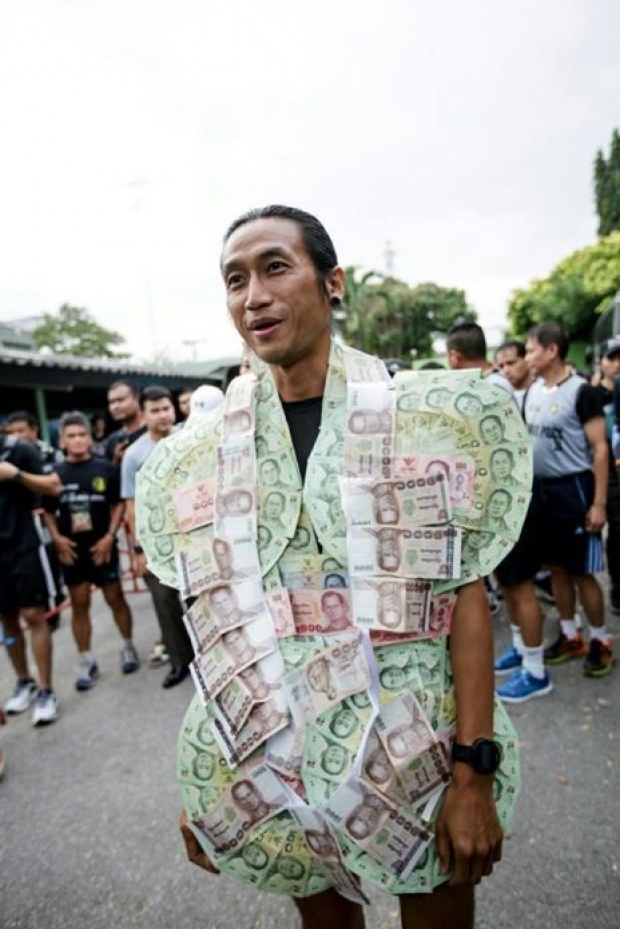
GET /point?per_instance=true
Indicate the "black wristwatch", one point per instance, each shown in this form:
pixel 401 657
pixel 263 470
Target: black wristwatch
pixel 484 755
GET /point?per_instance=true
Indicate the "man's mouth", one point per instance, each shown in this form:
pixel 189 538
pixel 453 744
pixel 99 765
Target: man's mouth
pixel 265 327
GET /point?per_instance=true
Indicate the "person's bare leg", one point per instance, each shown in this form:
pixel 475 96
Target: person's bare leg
pixel 446 908
pixel 591 598
pixel 41 641
pixel 80 615
pixel 115 598
pixel 328 910
pixel 525 611
pixel 17 649
pixel 563 590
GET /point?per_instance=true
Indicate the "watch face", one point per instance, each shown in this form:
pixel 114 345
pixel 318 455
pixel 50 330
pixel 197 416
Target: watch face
pixel 487 756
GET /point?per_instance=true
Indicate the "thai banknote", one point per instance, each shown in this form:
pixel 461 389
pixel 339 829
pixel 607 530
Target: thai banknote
pixel 215 560
pixel 323 847
pixel 365 369
pixel 394 605
pixel 284 751
pixel 253 799
pixel 312 570
pixel 220 609
pixel 279 604
pixel 504 512
pixel 328 678
pixel 369 436
pixel 194 505
pixel 429 552
pixel 327 758
pixel 413 501
pixel 235 650
pixel 321 612
pixel 239 407
pixel 388 832
pixel 483 551
pixel 255 684
pixel 460 470
pixel 418 757
pixel 278 469
pixel 264 720
pixel 378 771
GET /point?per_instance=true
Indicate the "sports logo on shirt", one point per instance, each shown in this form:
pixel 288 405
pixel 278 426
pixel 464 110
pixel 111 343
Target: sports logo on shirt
pixel 100 484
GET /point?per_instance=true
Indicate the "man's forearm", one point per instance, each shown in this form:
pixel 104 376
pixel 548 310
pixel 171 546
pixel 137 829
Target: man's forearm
pixel 471 649
pixel 51 524
pixel 601 473
pixel 39 483
pixel 116 517
pixel 131 517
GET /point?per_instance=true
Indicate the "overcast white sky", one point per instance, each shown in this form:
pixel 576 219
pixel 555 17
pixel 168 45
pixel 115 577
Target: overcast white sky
pixel 134 131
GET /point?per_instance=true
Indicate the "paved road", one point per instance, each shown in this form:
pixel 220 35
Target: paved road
pixel 88 810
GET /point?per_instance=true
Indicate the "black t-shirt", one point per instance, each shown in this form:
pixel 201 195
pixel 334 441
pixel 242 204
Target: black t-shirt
pixel 588 404
pixel 17 527
pixel 89 490
pixel 121 435
pixel 304 421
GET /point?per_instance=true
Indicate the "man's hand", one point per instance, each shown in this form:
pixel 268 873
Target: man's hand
pixel 469 836
pixel 193 849
pixel 66 549
pixel 102 550
pixel 8 471
pixel 139 564
pixel 595 518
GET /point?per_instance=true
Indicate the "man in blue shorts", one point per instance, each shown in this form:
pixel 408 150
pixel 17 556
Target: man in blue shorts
pixel 83 523
pixel 563 530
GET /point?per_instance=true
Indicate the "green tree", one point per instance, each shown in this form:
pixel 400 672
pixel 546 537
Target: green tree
pixel 578 290
pixel 607 187
pixel 74 331
pixel 387 317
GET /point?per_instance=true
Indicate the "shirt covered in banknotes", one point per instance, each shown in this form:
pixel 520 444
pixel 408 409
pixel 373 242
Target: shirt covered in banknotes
pixel 317 748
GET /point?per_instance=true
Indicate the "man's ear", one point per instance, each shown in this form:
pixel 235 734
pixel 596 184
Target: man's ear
pixel 334 284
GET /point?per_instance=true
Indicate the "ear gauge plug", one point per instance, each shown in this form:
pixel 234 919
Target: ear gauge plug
pixel 335 301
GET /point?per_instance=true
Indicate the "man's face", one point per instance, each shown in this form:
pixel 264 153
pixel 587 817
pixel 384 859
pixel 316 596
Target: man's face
pixel 235 642
pixel 513 367
pixel 498 504
pixel 393 678
pixel 159 416
pixel 269 472
pixel 334 607
pixel 77 442
pixel 204 766
pixel 468 405
pixel 246 797
pixel 501 465
pixel 122 404
pixel 222 602
pixel 386 508
pixel 274 506
pixel 539 358
pixel 334 759
pixel 23 430
pixel 610 366
pixel 184 401
pixel 491 430
pixel 274 297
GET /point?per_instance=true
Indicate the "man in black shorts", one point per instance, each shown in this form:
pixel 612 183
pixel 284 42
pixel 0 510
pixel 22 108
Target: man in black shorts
pixel 83 523
pixel 26 583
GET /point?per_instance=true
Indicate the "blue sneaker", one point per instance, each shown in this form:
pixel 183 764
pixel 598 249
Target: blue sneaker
pixel 508 661
pixel 87 675
pixel 522 686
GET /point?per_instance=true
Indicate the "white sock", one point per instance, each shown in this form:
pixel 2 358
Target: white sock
pixel 517 638
pixel 87 658
pixel 569 628
pixel 129 642
pixel 599 632
pixel 534 661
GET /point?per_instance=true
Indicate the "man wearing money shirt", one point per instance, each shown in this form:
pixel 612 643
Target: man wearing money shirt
pixel 340 431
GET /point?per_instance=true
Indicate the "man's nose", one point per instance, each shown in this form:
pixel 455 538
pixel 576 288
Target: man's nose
pixel 258 294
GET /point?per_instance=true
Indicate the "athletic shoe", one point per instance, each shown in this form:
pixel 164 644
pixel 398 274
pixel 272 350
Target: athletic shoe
pixel 599 660
pixel 175 676
pixel 24 694
pixel 508 661
pixel 565 649
pixel 159 656
pixel 129 659
pixel 87 675
pixel 522 686
pixel 45 708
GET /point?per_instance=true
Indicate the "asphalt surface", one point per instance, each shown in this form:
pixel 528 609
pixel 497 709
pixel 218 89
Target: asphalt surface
pixel 89 809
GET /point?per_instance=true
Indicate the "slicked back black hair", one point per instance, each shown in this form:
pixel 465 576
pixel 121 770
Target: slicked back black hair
pixel 551 333
pixel 518 346
pixel 468 340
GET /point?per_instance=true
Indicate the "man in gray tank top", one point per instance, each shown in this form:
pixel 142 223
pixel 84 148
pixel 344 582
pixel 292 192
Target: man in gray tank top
pixel 565 420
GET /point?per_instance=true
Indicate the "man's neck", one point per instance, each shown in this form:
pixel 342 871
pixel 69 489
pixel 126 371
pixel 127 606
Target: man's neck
pixel 525 383
pixel 479 363
pixel 78 459
pixel 136 422
pixel 157 436
pixel 557 371
pixel 304 379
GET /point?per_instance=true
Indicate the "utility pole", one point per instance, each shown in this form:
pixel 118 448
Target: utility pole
pixel 389 254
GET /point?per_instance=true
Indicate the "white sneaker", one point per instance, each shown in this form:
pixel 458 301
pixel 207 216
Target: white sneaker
pixel 45 708
pixel 23 696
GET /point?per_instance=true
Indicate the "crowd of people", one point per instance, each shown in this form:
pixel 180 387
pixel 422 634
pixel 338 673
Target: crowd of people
pixel 61 514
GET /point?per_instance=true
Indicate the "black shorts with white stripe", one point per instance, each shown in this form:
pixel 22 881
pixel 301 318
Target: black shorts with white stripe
pixel 26 580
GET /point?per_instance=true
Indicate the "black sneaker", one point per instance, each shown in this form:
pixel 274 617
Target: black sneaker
pixel 599 660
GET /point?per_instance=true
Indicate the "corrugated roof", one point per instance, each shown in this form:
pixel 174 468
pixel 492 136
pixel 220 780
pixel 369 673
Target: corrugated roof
pixel 110 365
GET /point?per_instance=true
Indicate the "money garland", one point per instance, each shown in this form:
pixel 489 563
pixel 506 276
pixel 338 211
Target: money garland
pixel 308 757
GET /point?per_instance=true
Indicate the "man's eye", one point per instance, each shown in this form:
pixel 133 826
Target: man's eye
pixel 276 265
pixel 233 280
